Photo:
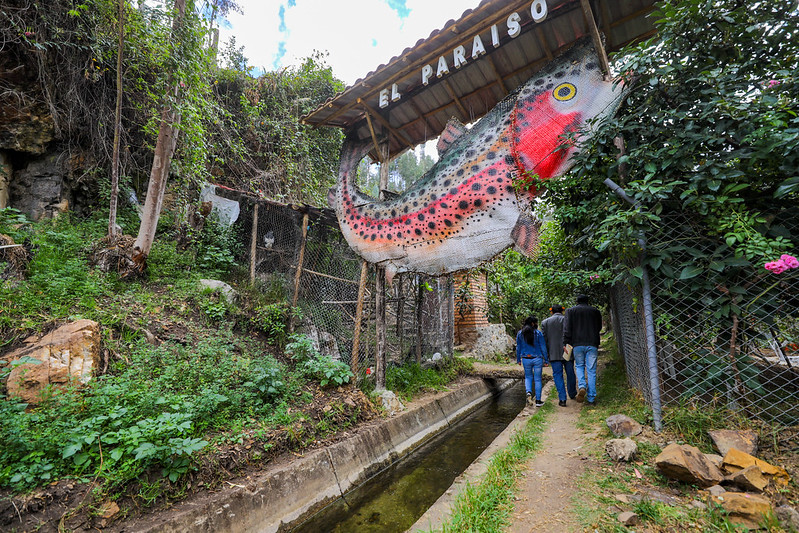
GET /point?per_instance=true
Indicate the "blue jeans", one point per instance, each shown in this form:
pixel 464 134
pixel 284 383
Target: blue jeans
pixel 532 372
pixel 557 374
pixel 585 367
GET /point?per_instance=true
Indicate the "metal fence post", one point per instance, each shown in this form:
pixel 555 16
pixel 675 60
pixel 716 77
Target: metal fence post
pixel 649 319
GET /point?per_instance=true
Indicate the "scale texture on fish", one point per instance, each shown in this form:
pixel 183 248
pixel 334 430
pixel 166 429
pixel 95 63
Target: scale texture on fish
pixel 467 208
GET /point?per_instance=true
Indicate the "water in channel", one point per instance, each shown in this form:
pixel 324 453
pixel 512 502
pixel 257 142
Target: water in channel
pixel 394 499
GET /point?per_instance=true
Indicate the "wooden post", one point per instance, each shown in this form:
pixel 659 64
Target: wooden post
pixel 400 312
pixel 298 272
pixel 253 242
pixel 419 316
pixel 592 27
pixel 380 289
pixel 356 341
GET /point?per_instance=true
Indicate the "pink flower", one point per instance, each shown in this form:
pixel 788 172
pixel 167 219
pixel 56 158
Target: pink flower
pixel 773 83
pixel 778 266
pixel 790 261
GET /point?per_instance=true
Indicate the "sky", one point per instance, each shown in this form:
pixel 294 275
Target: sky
pixel 359 35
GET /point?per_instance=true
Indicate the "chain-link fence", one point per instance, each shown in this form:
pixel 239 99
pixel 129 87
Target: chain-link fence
pixel 298 254
pixel 733 345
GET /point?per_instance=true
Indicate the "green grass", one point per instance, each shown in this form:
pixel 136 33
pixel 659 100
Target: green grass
pixel 410 379
pixel 485 506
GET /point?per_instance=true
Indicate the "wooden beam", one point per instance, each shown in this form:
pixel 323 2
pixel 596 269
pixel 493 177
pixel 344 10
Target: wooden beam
pixel 372 132
pixel 588 15
pixel 398 134
pixel 606 22
pixel 356 340
pixel 465 115
pixel 501 82
pixel 298 272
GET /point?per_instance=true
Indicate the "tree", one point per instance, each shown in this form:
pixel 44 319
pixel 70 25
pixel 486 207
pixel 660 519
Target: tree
pixel 164 149
pixel 112 211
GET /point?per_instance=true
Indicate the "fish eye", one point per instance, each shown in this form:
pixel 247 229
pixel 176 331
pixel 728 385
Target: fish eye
pixel 564 92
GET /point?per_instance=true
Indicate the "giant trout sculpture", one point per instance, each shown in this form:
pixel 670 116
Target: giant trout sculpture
pixel 468 207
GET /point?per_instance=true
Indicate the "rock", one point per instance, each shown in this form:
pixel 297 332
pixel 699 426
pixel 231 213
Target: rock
pixel 652 494
pixel 744 509
pixel 487 342
pixel 391 403
pixel 628 519
pixel 215 285
pixel 621 449
pixel 687 463
pixel 108 509
pixel 788 517
pixel 716 490
pixel 744 440
pixel 750 478
pixel 39 190
pixel 68 354
pixel 715 459
pixel 623 426
pixel 736 460
pixel 696 504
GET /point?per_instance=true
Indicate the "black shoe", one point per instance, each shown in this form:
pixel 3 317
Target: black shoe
pixel 573 397
pixel 562 403
pixel 529 399
pixel 539 403
pixel 592 404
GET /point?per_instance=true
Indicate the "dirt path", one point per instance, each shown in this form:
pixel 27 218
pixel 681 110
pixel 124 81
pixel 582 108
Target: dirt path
pixel 550 482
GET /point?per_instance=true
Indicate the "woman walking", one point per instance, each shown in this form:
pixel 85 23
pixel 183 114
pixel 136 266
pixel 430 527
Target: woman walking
pixel 531 351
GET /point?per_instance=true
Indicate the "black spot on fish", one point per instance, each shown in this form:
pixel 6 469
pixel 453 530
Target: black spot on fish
pixel 443 206
pixel 469 153
pixel 431 225
pixel 492 172
pixel 591 65
pixel 405 209
pixel 448 222
pixel 459 172
pixel 478 202
pixel 500 180
pixel 509 188
pixel 475 168
pixel 415 204
pixel 399 234
pixel 418 231
pixel 433 196
pixel 390 236
pixel 447 183
pixel 559 74
pixel 458 217
pixel 407 221
pixel 432 210
pixel 476 186
pixel 373 236
pixel 539 82
pixel 379 227
pixel 420 216
pixel 453 191
pixel 509 160
pixel 434 183
pixel 491 189
pixel 393 212
pixel 549 86
pixel 463 204
pixel 491 155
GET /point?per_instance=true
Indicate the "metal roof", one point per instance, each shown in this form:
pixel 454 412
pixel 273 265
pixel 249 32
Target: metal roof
pixel 470 91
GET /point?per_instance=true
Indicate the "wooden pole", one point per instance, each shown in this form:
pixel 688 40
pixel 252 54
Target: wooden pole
pixel 298 272
pixel 592 27
pixel 419 316
pixel 380 289
pixel 253 242
pixel 356 341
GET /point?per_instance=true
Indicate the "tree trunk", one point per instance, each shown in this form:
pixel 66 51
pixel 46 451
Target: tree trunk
pixel 164 149
pixel 112 212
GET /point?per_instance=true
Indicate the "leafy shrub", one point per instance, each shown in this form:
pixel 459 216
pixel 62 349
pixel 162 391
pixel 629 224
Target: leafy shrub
pixel 316 365
pixel 267 381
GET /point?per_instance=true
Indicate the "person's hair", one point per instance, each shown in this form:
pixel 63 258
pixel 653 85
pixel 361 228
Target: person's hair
pixel 528 331
pixel 582 298
pixel 556 308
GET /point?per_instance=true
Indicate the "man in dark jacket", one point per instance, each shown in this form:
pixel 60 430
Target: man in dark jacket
pixel 581 327
pixel 552 328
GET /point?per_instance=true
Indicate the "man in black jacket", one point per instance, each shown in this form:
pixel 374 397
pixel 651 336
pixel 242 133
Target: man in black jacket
pixel 581 328
pixel 552 328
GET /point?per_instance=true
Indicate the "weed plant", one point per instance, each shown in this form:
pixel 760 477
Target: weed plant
pixel 410 379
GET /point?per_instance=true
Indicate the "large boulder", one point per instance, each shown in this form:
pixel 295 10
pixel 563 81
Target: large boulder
pixel 750 479
pixel 623 426
pixel 744 509
pixel 67 355
pixel 725 439
pixel 687 463
pixel 736 460
pixel 621 449
pixel 492 340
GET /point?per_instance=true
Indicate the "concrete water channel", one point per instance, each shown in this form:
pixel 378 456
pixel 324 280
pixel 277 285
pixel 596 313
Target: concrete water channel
pixel 394 499
pixel 382 478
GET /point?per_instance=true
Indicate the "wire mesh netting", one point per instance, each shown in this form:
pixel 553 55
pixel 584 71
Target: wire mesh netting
pixel 715 348
pixel 298 254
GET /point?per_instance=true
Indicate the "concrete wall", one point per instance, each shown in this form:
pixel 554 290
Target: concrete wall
pixel 290 492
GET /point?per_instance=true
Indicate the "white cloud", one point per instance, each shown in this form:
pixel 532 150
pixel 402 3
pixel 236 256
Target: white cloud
pixel 359 35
